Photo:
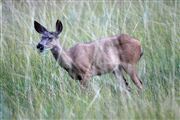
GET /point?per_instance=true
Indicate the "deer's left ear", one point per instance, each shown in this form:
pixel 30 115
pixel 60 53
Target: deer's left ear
pixel 39 28
pixel 59 27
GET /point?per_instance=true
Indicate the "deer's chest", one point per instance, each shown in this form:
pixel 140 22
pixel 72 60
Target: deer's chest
pixel 74 74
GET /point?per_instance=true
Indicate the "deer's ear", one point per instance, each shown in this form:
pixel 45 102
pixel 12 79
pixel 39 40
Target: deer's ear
pixel 39 28
pixel 59 27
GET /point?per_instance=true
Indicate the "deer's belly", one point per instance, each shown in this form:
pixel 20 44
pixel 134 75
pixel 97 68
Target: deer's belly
pixel 105 66
pixel 103 69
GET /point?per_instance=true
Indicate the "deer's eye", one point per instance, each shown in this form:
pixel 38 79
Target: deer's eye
pixel 50 38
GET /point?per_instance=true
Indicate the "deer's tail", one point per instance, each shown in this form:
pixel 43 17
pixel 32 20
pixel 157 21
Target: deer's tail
pixel 141 53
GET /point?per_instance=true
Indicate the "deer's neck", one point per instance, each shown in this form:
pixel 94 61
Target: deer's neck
pixel 62 57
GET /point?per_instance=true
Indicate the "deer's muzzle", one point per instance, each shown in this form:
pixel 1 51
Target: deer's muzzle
pixel 40 47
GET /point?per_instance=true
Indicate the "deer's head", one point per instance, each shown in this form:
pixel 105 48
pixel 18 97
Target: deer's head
pixel 48 39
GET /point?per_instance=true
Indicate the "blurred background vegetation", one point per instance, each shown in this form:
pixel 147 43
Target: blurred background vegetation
pixel 33 86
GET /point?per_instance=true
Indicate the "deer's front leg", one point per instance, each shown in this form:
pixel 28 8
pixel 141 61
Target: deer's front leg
pixel 83 84
pixel 84 81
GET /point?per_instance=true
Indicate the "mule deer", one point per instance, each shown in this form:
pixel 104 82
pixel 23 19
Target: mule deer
pixel 84 60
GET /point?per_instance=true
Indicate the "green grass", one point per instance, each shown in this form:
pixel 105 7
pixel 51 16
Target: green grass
pixel 33 86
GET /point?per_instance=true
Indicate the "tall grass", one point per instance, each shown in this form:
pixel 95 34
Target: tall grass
pixel 33 86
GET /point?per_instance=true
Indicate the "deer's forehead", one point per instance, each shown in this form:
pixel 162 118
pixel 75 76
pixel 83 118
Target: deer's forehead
pixel 48 34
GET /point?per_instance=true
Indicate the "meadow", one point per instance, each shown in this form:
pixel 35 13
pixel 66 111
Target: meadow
pixel 33 86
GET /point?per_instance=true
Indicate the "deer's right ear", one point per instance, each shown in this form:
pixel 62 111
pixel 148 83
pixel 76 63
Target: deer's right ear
pixel 39 28
pixel 59 27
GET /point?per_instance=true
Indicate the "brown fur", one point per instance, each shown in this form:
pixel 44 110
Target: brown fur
pixel 85 60
pixel 103 56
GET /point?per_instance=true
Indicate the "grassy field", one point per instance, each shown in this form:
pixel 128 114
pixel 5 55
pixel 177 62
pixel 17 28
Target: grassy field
pixel 33 86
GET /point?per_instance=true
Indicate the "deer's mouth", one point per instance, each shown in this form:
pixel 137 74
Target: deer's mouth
pixel 41 50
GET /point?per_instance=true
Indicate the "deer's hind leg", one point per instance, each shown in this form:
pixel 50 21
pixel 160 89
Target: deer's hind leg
pixel 123 84
pixel 131 70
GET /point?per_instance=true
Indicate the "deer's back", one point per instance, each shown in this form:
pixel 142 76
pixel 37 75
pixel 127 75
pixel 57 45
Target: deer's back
pixel 104 55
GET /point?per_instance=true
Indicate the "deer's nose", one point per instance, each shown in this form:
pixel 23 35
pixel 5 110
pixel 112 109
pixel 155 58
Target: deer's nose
pixel 40 47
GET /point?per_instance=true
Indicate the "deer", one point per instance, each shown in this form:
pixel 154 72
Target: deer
pixel 117 54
